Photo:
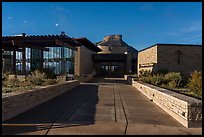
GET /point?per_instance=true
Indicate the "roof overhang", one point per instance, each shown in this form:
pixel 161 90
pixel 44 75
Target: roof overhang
pixel 109 57
pixel 38 41
pixel 87 43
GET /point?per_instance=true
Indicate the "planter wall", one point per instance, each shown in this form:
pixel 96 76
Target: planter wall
pixel 186 110
pixel 20 102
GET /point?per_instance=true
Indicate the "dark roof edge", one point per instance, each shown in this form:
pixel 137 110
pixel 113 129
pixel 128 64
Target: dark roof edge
pixel 93 46
pixel 162 44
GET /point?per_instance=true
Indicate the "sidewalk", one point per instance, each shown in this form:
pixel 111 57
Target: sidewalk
pixel 103 106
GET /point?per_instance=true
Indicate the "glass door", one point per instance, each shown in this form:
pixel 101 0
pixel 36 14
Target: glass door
pixel 104 69
pixel 114 71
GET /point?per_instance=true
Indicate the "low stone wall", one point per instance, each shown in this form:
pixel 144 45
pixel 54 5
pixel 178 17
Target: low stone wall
pixel 20 77
pixel 128 78
pixel 186 110
pixel 19 102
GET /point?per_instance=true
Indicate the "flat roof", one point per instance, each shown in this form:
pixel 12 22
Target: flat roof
pixel 163 44
pixel 38 41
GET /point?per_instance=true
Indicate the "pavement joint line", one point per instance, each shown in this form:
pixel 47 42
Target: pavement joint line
pixel 81 102
pixel 123 109
pixel 114 101
pixel 73 109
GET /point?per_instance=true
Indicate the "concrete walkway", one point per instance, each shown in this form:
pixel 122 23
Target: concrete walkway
pixel 107 106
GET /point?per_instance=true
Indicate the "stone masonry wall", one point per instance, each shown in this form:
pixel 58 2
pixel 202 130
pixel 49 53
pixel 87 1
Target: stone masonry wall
pixel 166 57
pixel 147 56
pixel 185 109
pixel 77 62
pixel 83 61
pixel 190 58
pixel 17 103
pixel 114 49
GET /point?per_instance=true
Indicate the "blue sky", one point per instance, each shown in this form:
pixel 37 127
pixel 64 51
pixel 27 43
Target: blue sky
pixel 141 24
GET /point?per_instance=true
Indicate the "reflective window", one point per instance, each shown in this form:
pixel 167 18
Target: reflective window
pixel 59 58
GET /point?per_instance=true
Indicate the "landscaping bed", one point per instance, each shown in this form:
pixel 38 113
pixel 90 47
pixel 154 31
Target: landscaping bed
pixel 12 83
pixel 175 81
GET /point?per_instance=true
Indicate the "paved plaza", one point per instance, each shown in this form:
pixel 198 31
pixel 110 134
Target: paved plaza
pixel 103 106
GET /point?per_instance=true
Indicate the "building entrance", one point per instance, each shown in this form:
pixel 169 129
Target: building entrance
pixel 109 70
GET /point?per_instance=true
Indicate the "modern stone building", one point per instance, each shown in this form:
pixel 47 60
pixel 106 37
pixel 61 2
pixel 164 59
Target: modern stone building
pixel 24 53
pixel 73 56
pixel 83 57
pixel 116 58
pixel 109 57
pixel 183 58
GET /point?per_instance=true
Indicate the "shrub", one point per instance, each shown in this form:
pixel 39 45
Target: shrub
pixel 6 90
pixel 157 79
pixel 144 73
pixel 4 76
pixel 146 79
pixel 173 76
pixel 172 85
pixel 13 82
pixel 36 78
pixel 184 80
pixel 164 85
pixel 195 83
pixel 50 73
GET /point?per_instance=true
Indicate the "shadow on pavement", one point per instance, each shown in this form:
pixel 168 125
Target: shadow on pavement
pixel 58 112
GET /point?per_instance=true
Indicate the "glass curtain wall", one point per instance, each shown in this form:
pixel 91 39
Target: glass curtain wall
pixel 28 59
pixel 59 58
pixel 36 59
pixel 8 61
pixel 19 64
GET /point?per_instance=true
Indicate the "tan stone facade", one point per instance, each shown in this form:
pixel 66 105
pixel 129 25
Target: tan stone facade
pixel 83 61
pixel 174 58
pixel 114 45
pixel 114 49
pixel 147 58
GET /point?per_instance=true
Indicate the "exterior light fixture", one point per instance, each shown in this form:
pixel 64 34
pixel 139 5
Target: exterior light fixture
pixel 179 53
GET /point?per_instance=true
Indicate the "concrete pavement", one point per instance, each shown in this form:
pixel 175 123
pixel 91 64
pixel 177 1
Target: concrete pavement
pixel 103 106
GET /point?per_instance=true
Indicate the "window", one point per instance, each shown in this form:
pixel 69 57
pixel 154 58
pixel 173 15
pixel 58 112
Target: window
pixel 110 48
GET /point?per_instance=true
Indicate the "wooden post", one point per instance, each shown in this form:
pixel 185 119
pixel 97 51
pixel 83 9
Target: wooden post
pixel 14 61
pixel 23 61
pixel 41 59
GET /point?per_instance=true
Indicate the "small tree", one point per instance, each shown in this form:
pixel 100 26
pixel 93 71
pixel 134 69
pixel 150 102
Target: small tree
pixel 195 83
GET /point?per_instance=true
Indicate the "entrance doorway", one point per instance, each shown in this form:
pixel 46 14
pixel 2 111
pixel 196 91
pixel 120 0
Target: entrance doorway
pixel 109 70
